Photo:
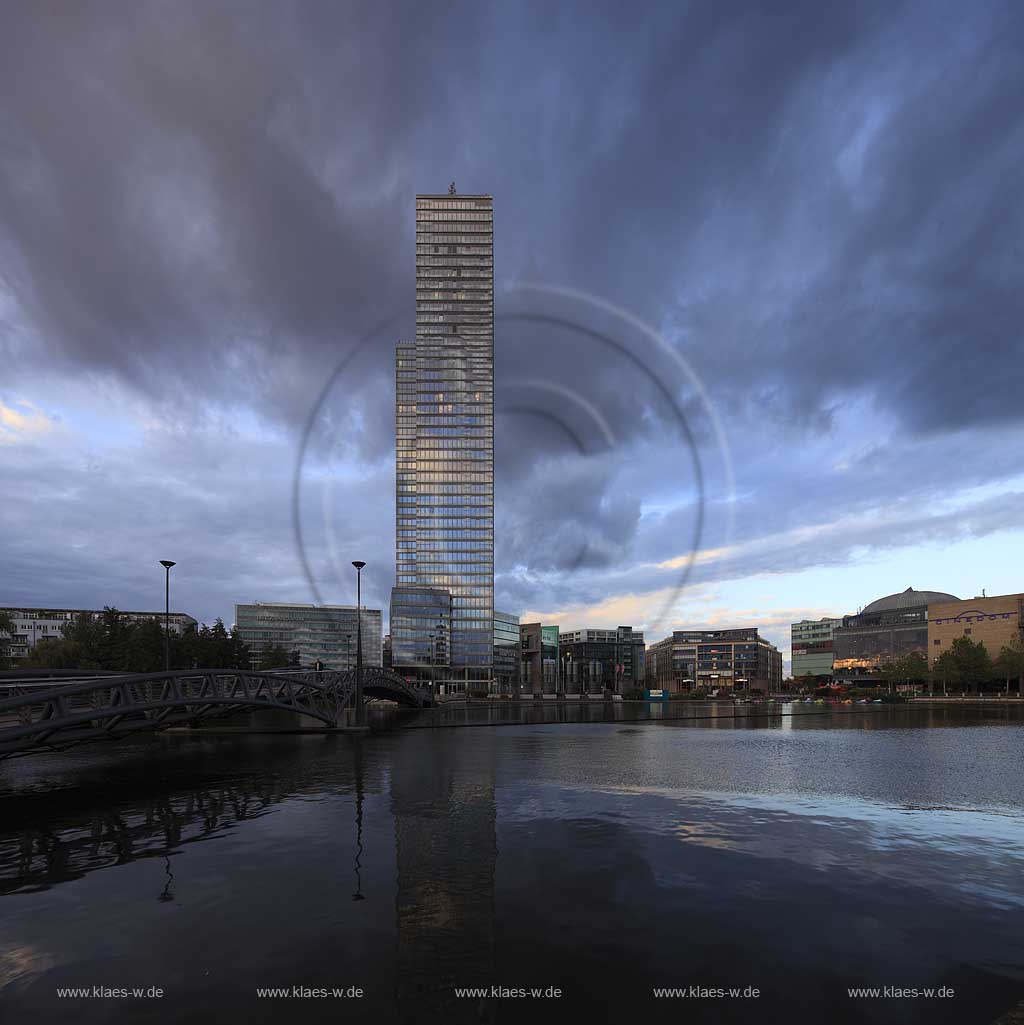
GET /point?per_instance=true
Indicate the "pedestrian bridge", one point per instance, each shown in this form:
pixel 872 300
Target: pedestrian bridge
pixel 47 715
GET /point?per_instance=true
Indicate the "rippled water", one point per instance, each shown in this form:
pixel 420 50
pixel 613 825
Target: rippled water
pixel 801 855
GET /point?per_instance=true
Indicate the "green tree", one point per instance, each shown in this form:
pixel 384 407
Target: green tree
pixel 55 653
pixel 889 674
pixel 185 649
pixel 240 655
pixel 273 656
pixel 911 668
pixel 87 633
pixel 220 646
pixel 114 639
pixel 6 633
pixel 973 662
pixel 143 647
pixel 1009 663
pixel 914 667
pixel 204 648
pixel 946 671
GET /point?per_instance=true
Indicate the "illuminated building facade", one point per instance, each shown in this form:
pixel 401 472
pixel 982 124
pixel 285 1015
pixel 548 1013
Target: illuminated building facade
pixel 444 430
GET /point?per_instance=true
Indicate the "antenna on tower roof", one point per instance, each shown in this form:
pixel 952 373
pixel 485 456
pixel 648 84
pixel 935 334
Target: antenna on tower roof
pixel 451 189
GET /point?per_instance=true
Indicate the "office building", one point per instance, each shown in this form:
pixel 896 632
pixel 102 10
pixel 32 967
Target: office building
pixel 538 659
pixel 882 632
pixel 35 624
pixel 444 433
pixel 602 661
pixel 506 653
pixel 811 644
pixel 995 622
pixel 324 632
pixel 739 659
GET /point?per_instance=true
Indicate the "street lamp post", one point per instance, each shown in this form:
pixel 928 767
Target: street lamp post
pixel 167 564
pixel 431 675
pixel 360 709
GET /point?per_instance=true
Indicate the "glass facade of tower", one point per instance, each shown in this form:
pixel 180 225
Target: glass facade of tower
pixel 421 628
pixel 506 652
pixel 444 428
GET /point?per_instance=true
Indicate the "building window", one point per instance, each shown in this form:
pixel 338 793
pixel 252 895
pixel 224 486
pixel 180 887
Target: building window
pixel 967 631
pixel 936 642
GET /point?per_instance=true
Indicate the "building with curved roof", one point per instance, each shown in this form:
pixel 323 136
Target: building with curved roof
pixel 907 599
pixel 887 629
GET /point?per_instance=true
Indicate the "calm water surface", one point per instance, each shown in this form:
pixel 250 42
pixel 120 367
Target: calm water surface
pixel 799 855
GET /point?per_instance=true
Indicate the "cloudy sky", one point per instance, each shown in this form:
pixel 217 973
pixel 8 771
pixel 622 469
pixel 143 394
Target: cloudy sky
pixel 758 299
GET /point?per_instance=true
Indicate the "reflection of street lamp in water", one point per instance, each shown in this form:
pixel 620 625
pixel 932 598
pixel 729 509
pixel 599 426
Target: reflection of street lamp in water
pixel 166 894
pixel 358 895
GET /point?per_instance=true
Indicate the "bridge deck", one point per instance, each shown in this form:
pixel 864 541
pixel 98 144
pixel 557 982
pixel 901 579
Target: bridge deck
pixel 39 715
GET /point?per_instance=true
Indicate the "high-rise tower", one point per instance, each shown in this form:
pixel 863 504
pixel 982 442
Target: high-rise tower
pixel 443 603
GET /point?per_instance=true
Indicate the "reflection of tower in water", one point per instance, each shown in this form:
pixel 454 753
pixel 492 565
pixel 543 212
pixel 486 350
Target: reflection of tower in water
pixel 446 849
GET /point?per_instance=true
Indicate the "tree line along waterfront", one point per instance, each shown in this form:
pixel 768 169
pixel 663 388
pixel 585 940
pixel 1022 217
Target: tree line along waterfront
pixel 114 643
pixel 966 665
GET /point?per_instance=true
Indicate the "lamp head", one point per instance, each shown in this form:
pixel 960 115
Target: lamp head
pixel 167 564
pixel 358 564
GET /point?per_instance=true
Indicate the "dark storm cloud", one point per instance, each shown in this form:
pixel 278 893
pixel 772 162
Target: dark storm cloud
pixel 819 204
pixel 201 180
pixel 164 221
pixel 100 525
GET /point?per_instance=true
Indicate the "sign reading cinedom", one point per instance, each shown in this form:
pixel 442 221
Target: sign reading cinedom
pixel 994 622
pixel 978 616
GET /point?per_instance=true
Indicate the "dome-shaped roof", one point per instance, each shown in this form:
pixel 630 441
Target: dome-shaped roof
pixel 907 599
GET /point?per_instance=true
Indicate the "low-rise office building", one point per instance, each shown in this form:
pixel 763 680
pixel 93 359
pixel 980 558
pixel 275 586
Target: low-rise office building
pixel 739 659
pixel 538 650
pixel 995 622
pixel 884 631
pixel 601 661
pixel 317 632
pixel 812 647
pixel 35 624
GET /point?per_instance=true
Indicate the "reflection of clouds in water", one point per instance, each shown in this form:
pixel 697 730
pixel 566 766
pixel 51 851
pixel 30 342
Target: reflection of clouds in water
pixel 971 853
pixel 706 836
pixel 18 961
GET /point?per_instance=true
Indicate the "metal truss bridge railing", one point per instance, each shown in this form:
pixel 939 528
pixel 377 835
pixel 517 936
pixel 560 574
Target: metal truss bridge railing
pixel 41 715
